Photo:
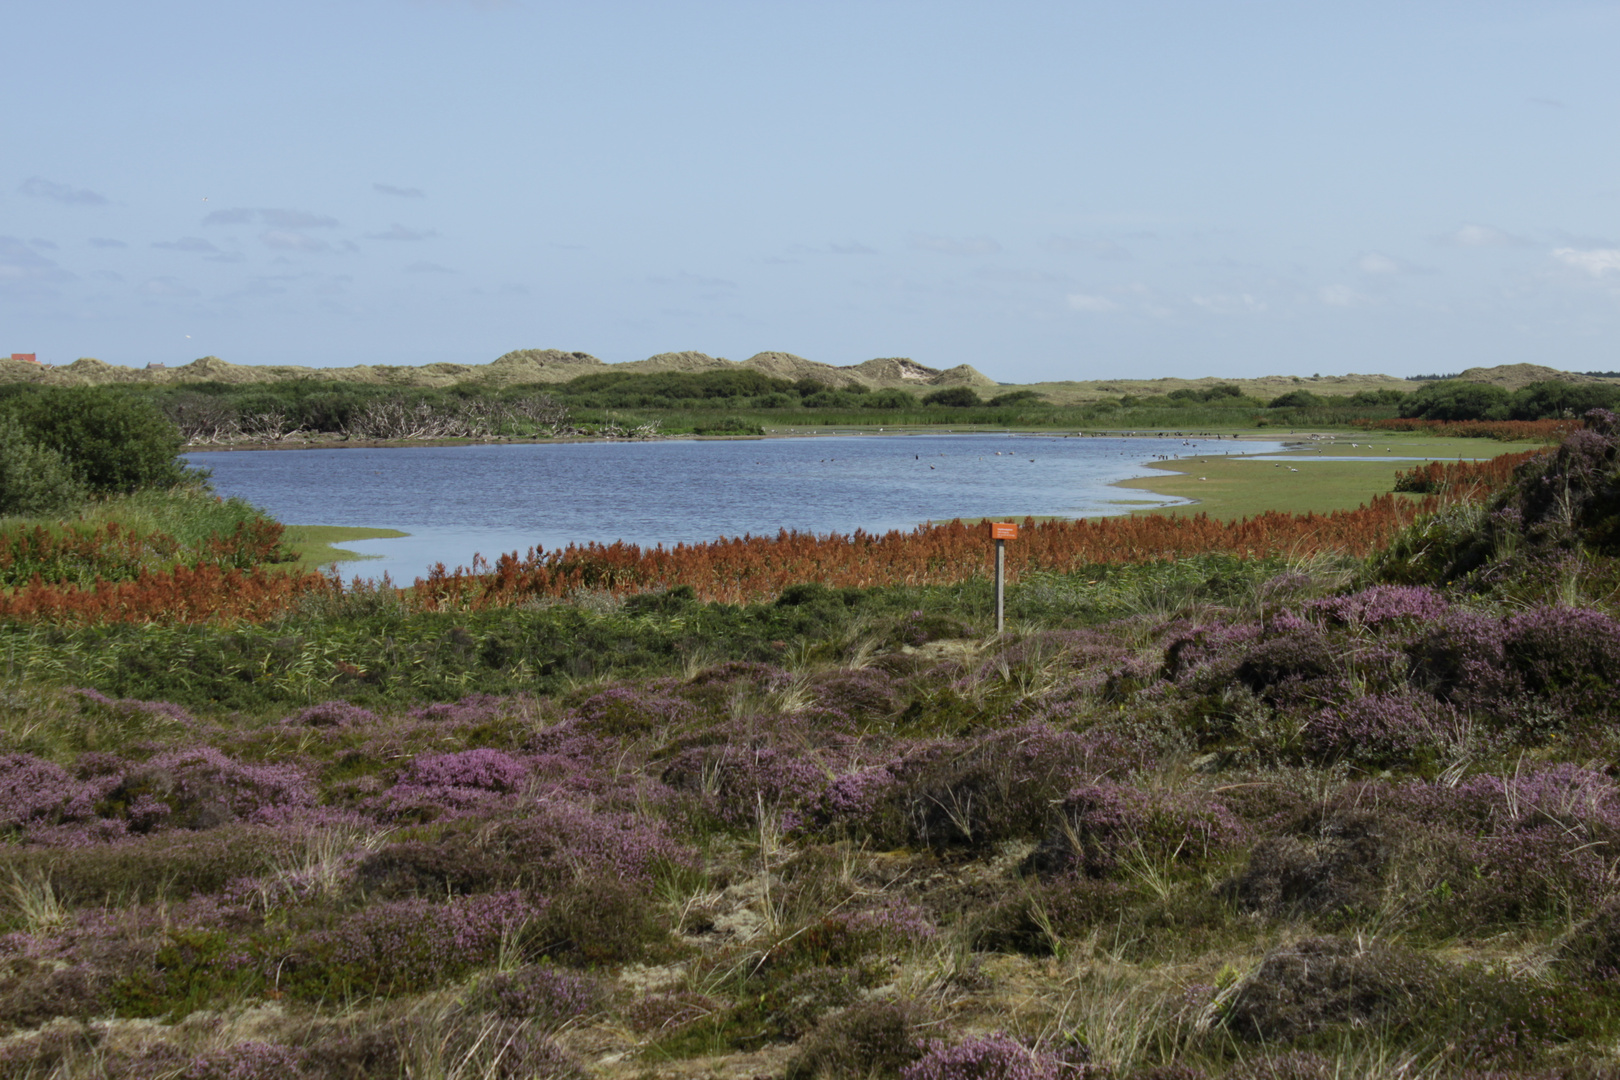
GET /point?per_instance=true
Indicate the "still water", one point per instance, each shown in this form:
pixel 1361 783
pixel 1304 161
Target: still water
pixel 455 501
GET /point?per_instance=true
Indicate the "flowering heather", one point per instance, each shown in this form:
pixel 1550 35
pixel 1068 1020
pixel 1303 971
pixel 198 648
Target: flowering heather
pixel 403 945
pixel 624 710
pixel 1569 654
pixel 337 714
pixel 38 792
pixel 558 841
pixel 990 1057
pixel 1104 825
pixel 200 788
pixel 490 770
pixel 549 996
pixel 973 792
pixel 735 781
pixel 1381 727
pixel 1372 608
pixel 865 695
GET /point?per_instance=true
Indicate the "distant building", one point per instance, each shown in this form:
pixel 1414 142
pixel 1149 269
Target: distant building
pixel 154 365
pixel 26 357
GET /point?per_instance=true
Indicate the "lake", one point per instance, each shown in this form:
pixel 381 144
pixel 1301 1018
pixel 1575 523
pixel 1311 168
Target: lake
pixel 458 500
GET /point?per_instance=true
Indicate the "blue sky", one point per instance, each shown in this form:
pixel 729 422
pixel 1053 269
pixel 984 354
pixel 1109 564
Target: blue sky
pixel 1045 191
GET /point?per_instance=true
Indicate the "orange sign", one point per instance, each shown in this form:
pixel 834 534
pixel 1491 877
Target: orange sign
pixel 1003 530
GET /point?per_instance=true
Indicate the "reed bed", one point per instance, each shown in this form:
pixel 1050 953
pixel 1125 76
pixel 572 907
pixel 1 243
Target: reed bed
pixel 1548 431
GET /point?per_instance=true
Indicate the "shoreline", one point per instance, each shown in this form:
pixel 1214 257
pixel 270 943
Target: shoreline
pixel 884 432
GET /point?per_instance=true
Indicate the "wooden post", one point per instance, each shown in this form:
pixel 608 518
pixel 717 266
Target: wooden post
pixel 1001 532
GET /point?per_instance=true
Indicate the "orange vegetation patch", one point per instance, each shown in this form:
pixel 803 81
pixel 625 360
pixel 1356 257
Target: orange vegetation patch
pixel 1549 431
pixel 183 595
pixel 1461 478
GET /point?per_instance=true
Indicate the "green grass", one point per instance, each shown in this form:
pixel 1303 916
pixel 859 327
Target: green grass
pixel 189 514
pixel 1237 487
pixel 317 545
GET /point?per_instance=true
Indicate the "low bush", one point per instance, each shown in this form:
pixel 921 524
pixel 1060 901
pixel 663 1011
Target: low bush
pixel 868 1040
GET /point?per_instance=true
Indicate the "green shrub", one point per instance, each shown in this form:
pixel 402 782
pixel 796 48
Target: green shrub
pixel 113 441
pixel 956 397
pixel 34 479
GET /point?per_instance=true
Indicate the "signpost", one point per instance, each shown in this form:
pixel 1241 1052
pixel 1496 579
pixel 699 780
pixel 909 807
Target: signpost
pixel 1001 532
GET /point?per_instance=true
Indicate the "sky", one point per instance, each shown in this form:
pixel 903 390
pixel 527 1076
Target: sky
pixel 1078 190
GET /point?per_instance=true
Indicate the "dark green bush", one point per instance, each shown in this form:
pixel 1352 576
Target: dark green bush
pixel 1296 399
pixel 112 440
pixel 956 397
pixel 1456 400
pixel 34 479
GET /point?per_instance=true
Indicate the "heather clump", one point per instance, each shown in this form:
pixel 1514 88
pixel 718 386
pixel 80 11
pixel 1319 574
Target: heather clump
pixel 202 788
pixel 36 792
pixel 989 1057
pixel 1323 864
pixel 1108 827
pixel 399 946
pixel 737 783
pixel 547 996
pixel 438 785
pixel 871 1039
pixel 626 711
pixel 1373 608
pixel 1304 987
pixel 971 793
pixel 1403 729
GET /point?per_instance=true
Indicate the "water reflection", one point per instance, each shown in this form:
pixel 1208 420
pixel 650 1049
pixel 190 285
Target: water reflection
pixel 464 499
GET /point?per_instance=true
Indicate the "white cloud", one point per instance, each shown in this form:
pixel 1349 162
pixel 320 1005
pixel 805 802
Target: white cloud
pixel 165 287
pixel 40 188
pixel 1374 263
pixel 427 268
pixel 402 232
pixel 21 263
pixel 854 247
pixel 1597 261
pixel 1087 302
pixel 1340 296
pixel 186 243
pixel 951 245
pixel 106 242
pixel 1230 304
pixel 286 240
pixel 399 192
pixel 1480 236
pixel 275 217
pixel 1104 249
